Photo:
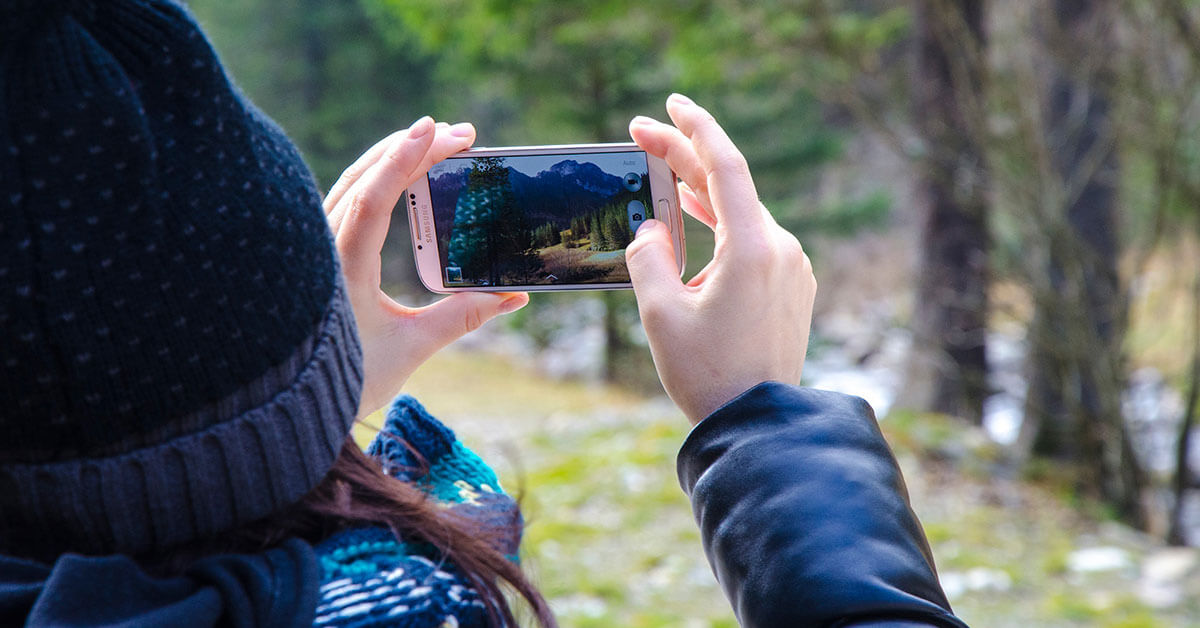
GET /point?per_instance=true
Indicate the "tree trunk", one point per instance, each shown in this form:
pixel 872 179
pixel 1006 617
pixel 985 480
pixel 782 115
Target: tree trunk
pixel 312 78
pixel 1176 534
pixel 948 365
pixel 1077 370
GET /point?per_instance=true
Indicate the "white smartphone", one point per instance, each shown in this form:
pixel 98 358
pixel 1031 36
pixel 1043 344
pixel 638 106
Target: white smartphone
pixel 538 217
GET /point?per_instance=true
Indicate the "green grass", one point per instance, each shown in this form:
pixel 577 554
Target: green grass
pixel 610 538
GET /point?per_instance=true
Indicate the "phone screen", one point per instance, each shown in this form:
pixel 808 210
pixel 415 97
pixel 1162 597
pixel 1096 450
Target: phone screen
pixel 538 219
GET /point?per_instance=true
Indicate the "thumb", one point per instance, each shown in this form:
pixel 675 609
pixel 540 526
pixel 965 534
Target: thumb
pixel 459 314
pixel 651 261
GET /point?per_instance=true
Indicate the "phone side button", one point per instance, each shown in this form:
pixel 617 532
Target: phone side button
pixel 664 212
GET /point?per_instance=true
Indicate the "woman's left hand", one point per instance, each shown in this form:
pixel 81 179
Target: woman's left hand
pixel 396 339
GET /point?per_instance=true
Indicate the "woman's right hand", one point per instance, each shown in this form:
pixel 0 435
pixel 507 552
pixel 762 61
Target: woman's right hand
pixel 743 319
pixel 396 339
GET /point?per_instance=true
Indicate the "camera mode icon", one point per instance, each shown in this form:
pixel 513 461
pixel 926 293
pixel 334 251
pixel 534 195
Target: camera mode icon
pixel 633 181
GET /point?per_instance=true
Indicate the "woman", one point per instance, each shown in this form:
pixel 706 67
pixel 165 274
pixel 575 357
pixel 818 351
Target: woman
pixel 184 350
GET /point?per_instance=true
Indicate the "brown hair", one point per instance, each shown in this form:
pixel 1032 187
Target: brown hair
pixel 357 492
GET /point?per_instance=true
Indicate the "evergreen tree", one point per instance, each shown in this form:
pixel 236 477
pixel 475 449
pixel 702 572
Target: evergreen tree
pixel 606 227
pixel 489 231
pixel 623 226
pixel 597 235
pixel 546 235
pixel 579 227
pixel 327 71
pixel 615 230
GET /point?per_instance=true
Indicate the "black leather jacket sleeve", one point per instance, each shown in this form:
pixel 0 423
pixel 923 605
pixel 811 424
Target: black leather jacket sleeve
pixel 804 514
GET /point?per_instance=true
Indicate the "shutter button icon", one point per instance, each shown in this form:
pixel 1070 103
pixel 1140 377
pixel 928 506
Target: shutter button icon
pixel 637 215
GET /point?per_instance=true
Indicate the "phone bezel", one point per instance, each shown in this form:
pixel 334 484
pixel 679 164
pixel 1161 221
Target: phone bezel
pixel 425 240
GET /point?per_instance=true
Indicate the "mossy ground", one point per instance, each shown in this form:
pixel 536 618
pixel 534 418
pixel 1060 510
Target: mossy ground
pixel 611 541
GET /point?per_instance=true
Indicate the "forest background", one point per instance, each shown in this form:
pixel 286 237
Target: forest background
pixel 1002 200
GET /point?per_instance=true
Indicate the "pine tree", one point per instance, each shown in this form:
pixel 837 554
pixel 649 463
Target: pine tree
pixel 611 227
pixel 597 235
pixel 488 229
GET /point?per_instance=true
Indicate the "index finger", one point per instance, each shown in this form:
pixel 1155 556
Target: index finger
pixel 363 215
pixel 730 186
pixel 351 174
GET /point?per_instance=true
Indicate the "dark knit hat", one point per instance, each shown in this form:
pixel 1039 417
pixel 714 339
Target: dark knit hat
pixel 177 354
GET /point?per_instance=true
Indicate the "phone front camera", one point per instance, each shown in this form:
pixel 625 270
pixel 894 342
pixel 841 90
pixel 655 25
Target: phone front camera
pixel 419 247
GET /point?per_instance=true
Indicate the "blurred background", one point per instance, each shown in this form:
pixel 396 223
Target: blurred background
pixel 1002 203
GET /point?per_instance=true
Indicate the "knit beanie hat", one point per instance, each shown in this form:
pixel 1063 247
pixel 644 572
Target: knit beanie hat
pixel 177 354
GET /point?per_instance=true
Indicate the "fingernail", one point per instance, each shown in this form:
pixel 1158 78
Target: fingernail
pixel 681 99
pixel 644 120
pixel 512 304
pixel 462 129
pixel 420 127
pixel 646 227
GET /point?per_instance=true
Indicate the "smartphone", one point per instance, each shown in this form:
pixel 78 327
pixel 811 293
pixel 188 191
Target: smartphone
pixel 530 218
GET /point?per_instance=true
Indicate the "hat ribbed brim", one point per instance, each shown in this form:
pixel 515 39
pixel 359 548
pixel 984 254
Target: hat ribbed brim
pixel 203 483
